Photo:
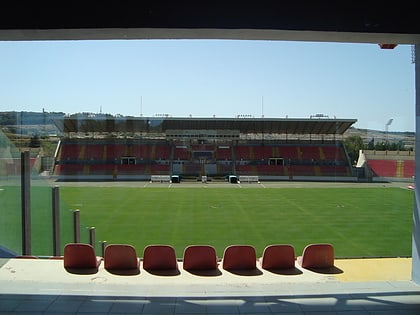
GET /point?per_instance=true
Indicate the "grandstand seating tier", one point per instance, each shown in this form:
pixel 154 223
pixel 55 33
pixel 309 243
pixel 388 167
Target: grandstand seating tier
pixel 385 168
pixel 131 157
pixel 392 168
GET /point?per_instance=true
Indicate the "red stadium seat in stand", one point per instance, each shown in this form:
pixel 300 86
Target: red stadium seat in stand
pixel 81 258
pixel 278 256
pixel 199 257
pixel 121 259
pixel 160 259
pixel 239 257
pixel 317 256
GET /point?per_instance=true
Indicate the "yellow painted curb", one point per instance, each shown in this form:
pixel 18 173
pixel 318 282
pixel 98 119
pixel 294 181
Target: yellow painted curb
pixel 374 269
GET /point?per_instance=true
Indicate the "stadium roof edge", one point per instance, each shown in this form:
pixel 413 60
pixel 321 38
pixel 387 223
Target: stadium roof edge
pixel 244 125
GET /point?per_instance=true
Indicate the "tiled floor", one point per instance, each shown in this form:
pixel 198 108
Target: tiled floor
pixel 374 298
pixel 43 287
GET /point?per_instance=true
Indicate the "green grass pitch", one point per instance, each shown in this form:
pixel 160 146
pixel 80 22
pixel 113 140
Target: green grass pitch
pixel 359 222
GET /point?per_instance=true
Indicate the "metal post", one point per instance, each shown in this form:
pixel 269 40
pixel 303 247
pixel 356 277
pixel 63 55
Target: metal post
pixel 92 236
pixel 103 245
pixel 56 220
pixel 76 225
pixel 26 203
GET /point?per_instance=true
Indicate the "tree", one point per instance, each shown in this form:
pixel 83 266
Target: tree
pixel 354 144
pixel 34 142
pixel 371 144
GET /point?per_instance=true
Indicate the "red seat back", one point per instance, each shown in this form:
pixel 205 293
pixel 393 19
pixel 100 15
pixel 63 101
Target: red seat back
pixel 199 257
pixel 239 257
pixel 79 255
pixel 279 256
pixel 159 257
pixel 317 256
pixel 120 256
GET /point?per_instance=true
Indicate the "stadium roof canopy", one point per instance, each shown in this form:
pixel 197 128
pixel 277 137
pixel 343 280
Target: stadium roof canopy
pixel 326 126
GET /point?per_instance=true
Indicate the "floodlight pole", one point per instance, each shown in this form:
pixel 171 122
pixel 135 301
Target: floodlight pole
pixel 386 129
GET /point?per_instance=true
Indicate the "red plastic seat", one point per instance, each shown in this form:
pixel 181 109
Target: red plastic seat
pixel 79 255
pixel 278 256
pixel 239 257
pixel 199 257
pixel 317 256
pixel 121 257
pixel 159 257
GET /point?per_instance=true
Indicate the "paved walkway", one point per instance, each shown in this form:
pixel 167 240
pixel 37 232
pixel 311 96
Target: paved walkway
pixel 359 286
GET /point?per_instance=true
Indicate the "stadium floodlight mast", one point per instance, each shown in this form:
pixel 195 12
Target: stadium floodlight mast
pixel 386 128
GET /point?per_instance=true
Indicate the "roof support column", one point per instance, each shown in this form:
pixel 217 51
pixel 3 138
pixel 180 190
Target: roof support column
pixel 415 272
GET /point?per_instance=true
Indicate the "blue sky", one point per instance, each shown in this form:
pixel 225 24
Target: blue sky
pixel 206 78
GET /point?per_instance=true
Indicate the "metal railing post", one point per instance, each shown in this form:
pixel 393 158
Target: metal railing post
pixel 92 236
pixel 56 220
pixel 26 203
pixel 76 225
pixel 103 245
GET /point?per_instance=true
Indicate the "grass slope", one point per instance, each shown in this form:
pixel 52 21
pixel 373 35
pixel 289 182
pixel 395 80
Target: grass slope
pixel 358 222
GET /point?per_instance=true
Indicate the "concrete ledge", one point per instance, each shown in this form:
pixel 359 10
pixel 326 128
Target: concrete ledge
pixel 45 275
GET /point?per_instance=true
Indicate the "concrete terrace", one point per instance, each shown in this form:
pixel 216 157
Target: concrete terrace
pixel 357 286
